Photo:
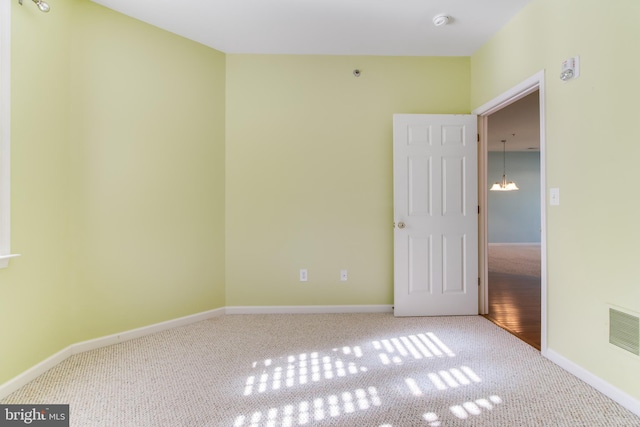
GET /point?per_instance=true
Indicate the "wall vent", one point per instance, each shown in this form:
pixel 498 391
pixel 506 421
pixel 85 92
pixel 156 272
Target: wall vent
pixel 624 331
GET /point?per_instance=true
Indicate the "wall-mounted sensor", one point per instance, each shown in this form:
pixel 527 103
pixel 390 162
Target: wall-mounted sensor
pixel 440 20
pixel 570 69
pixel 356 73
pixel 42 5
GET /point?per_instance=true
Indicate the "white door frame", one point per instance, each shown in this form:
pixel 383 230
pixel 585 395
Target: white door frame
pixel 533 83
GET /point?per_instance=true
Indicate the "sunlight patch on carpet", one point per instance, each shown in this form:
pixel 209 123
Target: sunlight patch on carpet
pixel 318 409
pixel 419 346
pixel 476 408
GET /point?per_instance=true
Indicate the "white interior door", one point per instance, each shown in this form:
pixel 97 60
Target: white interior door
pixel 436 215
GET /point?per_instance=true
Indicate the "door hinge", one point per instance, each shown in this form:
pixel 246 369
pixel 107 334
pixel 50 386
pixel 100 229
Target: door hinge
pixel 478 209
pixel 478 281
pixel 478 137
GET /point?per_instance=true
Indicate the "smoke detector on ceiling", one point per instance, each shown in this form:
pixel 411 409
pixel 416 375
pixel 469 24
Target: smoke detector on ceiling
pixel 440 20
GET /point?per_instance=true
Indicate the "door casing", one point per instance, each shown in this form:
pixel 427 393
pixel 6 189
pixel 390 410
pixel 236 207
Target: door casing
pixel 533 83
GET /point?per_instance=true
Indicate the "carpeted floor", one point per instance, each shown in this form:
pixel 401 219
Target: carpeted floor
pixel 323 370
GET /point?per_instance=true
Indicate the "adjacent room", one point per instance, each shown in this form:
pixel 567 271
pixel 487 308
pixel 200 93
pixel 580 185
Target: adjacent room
pixel 514 220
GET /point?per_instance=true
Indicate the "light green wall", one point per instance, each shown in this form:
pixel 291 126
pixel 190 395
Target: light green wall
pixel 117 179
pixel 34 289
pixel 309 171
pixel 591 156
pixel 148 151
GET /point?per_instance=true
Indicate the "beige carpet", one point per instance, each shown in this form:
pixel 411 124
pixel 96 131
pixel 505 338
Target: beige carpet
pixel 518 259
pixel 323 370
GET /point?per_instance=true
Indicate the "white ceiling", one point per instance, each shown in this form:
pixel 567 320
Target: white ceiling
pixel 330 27
pixel 348 27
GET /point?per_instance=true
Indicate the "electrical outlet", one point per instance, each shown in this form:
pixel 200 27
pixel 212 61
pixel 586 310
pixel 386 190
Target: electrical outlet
pixel 303 275
pixel 343 275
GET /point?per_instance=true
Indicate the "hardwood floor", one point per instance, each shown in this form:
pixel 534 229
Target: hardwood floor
pixel 514 305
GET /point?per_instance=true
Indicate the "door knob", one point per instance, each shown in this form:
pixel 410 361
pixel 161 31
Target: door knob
pixel 401 225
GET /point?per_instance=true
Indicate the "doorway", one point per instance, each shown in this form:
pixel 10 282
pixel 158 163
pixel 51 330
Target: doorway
pixel 513 293
pixel 513 233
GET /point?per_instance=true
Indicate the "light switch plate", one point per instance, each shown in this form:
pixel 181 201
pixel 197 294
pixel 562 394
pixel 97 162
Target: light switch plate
pixel 554 196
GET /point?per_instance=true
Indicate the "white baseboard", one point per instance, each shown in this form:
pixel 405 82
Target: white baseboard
pixel 35 371
pixel 309 309
pixel 515 244
pixel 145 330
pixel 599 384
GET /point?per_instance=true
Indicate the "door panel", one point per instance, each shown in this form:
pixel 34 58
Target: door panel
pixel 420 265
pixel 453 186
pixel 419 186
pixel 453 264
pixel 435 208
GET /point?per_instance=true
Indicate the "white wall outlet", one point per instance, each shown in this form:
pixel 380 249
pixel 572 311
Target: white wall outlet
pixel 304 276
pixel 343 275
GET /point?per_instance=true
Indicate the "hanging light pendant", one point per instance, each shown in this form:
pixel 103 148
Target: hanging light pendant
pixel 504 185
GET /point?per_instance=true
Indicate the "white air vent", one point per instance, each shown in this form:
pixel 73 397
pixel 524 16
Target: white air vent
pixel 624 331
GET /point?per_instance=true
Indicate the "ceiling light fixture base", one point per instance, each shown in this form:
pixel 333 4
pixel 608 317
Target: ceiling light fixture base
pixel 442 19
